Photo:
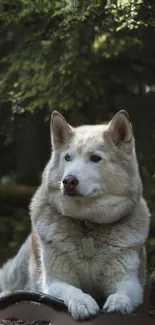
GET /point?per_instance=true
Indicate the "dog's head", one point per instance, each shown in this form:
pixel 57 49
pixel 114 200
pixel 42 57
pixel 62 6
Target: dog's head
pixel 92 162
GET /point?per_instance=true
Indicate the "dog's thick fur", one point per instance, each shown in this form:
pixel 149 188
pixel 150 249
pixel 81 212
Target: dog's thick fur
pixel 109 197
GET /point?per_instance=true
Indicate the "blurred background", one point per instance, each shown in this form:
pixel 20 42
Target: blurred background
pixel 87 59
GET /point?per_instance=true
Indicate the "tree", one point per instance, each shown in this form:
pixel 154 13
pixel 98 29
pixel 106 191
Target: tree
pixel 61 54
pixel 88 59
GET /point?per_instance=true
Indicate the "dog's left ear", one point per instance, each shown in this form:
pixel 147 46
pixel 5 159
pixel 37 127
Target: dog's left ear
pixel 120 129
pixel 61 131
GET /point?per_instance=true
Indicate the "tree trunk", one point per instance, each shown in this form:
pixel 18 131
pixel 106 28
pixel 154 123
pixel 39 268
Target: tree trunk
pixel 31 135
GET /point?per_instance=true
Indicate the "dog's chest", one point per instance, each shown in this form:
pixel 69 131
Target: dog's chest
pixel 78 254
pixel 81 243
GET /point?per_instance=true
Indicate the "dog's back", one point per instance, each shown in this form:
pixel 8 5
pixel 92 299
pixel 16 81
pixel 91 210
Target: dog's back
pixel 14 274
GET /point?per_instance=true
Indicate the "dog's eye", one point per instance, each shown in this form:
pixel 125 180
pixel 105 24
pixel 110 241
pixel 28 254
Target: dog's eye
pixel 67 157
pixel 95 158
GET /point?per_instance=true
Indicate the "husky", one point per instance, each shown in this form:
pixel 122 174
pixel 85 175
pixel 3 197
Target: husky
pixel 89 222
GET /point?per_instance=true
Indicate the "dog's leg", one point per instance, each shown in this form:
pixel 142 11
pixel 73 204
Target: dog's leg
pixel 122 284
pixel 79 304
pixel 126 296
pixel 60 279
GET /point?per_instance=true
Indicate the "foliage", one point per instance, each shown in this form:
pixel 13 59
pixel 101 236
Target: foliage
pixel 54 53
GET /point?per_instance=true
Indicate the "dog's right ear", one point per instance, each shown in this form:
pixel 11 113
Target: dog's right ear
pixel 61 131
pixel 120 130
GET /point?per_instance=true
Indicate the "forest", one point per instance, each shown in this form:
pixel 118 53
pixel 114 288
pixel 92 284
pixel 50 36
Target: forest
pixel 87 59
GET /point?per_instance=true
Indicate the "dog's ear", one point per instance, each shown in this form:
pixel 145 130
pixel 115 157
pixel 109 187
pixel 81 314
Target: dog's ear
pixel 120 129
pixel 61 131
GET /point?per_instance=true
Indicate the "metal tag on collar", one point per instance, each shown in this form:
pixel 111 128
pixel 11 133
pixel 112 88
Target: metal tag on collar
pixel 88 246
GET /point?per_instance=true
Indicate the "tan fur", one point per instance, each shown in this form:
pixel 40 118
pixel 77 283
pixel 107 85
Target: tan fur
pixel 35 252
pixel 34 260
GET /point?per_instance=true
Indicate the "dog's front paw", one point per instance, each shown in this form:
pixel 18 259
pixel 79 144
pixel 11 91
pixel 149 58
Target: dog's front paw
pixel 118 303
pixel 82 306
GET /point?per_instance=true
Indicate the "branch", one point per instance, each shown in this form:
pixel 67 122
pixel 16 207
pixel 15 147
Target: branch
pixel 16 194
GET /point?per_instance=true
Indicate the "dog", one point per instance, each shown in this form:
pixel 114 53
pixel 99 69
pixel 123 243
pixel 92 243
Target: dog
pixel 89 222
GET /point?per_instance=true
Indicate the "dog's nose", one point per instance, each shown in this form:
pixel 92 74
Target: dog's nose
pixel 70 182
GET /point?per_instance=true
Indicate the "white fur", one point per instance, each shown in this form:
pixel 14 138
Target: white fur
pixel 110 200
pixel 80 305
